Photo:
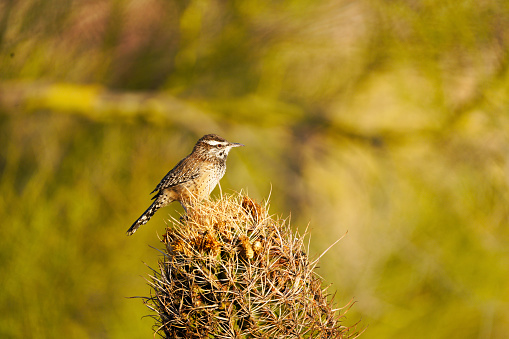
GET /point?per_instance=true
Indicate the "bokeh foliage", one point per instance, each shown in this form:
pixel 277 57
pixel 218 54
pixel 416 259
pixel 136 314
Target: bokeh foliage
pixel 384 118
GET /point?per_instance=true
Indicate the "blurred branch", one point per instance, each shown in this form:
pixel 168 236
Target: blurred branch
pixel 101 104
pixel 98 103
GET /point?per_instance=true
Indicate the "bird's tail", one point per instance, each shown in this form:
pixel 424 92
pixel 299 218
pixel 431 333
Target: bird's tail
pixel 145 217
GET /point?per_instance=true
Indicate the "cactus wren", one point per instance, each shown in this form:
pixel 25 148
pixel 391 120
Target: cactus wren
pixel 193 178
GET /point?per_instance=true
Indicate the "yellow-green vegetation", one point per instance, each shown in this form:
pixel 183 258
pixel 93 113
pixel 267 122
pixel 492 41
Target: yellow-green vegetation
pixel 230 270
pixel 386 119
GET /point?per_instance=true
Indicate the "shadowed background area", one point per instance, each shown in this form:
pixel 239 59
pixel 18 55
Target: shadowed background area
pixel 388 120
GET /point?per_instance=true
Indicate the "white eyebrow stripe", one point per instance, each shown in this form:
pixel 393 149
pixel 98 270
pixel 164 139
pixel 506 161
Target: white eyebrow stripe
pixel 215 143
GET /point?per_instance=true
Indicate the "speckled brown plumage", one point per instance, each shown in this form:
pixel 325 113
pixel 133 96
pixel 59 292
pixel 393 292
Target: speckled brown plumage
pixel 193 178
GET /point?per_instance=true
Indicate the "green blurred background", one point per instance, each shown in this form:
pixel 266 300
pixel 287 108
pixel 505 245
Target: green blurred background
pixel 386 119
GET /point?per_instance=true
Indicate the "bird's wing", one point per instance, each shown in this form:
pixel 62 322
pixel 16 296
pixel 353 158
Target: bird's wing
pixel 182 172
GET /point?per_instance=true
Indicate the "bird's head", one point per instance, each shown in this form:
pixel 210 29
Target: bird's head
pixel 214 147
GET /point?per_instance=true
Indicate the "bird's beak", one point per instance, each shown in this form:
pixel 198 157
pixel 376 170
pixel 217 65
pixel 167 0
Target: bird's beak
pixel 234 144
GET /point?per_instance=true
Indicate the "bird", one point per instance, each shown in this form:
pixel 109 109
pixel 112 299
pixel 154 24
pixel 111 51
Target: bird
pixel 192 179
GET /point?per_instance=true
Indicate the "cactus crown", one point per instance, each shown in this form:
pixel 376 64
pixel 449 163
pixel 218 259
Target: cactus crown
pixel 229 270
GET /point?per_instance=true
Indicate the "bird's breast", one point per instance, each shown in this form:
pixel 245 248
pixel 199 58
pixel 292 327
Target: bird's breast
pixel 211 179
pixel 201 187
